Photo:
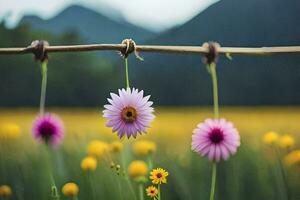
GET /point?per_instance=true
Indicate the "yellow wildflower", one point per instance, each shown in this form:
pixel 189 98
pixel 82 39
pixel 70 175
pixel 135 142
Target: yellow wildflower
pixel 97 148
pixel 70 189
pixel 270 137
pixel 89 164
pixel 9 131
pixel 286 141
pixel 152 191
pixel 137 168
pixel 144 147
pixel 158 176
pixel 116 146
pixel 292 158
pixel 5 191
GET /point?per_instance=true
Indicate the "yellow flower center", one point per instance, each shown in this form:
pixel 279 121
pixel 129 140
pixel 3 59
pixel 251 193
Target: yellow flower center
pixel 129 114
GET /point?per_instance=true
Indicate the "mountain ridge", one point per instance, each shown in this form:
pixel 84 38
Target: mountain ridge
pixel 245 80
pixel 91 25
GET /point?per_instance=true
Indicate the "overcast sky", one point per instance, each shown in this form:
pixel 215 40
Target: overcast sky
pixel 158 14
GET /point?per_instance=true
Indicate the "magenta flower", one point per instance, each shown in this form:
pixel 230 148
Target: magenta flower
pixel 48 128
pixel 215 138
pixel 129 112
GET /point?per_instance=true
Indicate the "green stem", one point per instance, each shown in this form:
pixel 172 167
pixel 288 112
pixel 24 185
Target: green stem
pixel 92 189
pixel 213 181
pixel 54 191
pixel 141 191
pixel 213 73
pixel 150 163
pixel 43 87
pixel 75 197
pixel 123 160
pixel 120 189
pixel 127 74
pixel 159 195
pixel 283 175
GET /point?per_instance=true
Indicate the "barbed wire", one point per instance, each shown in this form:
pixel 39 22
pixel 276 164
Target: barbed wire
pixel 157 48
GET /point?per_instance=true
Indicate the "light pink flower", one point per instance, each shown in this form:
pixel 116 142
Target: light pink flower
pixel 215 138
pixel 129 113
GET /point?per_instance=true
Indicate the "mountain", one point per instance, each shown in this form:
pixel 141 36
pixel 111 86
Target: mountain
pixel 249 80
pixel 91 25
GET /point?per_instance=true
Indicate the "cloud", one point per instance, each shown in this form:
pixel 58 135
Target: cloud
pixel 158 14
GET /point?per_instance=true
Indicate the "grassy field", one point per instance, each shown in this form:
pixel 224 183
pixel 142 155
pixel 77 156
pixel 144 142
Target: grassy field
pixel 255 172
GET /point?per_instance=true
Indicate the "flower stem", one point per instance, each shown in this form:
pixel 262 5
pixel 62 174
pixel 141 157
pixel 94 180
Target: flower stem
pixel 213 181
pixel 43 87
pixel 75 197
pixel 49 158
pixel 285 188
pixel 141 191
pixel 127 74
pixel 159 195
pixel 123 161
pixel 150 163
pixel 54 191
pixel 92 189
pixel 213 73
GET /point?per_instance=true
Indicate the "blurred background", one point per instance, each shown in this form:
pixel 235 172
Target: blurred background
pixel 257 93
pixel 84 79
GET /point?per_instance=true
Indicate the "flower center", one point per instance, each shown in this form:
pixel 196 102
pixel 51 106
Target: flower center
pixel 46 130
pixel 129 114
pixel 158 175
pixel 216 136
pixel 152 191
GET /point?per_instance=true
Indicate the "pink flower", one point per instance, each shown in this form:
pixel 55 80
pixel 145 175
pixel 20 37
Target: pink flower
pixel 48 128
pixel 129 112
pixel 215 138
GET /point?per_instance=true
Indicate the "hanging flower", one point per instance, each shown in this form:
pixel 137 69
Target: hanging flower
pixel 215 138
pixel 129 113
pixel 159 176
pixel 48 128
pixel 152 191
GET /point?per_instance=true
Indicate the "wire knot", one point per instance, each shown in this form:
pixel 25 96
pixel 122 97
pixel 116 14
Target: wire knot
pixel 211 56
pixel 38 48
pixel 130 47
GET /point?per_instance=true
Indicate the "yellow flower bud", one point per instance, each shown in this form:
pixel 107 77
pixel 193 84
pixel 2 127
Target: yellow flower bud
pixel 270 137
pixel 70 189
pixel 292 158
pixel 137 168
pixel 9 131
pixel 116 146
pixel 97 148
pixel 5 191
pixel 144 147
pixel 89 164
pixel 286 141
